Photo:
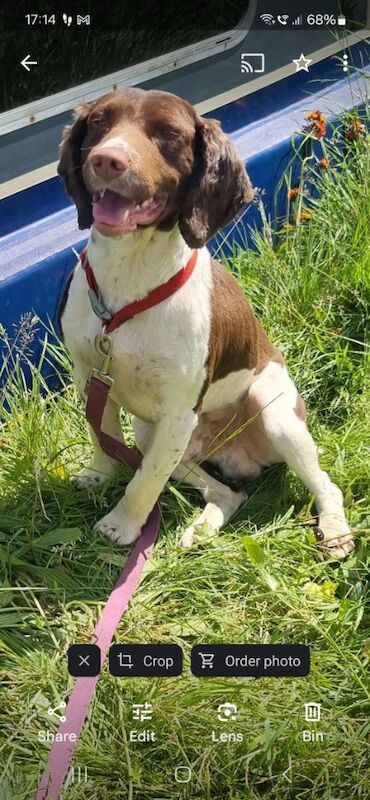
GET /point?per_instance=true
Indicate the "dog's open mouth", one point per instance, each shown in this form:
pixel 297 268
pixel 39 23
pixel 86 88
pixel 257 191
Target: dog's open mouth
pixel 112 210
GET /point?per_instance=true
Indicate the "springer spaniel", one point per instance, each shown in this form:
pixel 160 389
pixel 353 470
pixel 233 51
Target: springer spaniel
pixel 212 400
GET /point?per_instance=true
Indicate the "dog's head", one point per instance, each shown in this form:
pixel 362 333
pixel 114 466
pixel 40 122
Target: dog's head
pixel 136 158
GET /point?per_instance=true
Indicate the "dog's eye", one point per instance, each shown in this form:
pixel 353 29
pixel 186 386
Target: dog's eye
pixel 98 122
pixel 169 133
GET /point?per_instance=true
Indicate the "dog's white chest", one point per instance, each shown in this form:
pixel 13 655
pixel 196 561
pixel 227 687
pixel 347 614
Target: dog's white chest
pixel 158 357
pixel 138 373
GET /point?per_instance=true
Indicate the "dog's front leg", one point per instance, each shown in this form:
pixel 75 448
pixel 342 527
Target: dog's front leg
pixel 102 466
pixel 168 444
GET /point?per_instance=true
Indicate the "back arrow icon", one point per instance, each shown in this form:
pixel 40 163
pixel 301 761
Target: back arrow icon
pixel 27 64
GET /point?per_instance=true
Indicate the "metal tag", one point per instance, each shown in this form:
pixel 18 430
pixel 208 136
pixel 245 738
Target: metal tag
pixel 98 306
pixel 104 347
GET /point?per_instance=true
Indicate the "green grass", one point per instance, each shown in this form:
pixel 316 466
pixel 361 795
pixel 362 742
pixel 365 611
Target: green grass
pixel 311 290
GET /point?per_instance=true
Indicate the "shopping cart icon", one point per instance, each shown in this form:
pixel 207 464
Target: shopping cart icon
pixel 207 660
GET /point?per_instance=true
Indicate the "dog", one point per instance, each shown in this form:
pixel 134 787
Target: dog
pixel 211 398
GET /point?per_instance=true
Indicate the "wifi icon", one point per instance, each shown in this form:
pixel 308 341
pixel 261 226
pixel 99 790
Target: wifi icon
pixel 246 67
pixel 268 19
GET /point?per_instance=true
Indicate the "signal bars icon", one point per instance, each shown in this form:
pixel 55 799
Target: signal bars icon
pixel 298 20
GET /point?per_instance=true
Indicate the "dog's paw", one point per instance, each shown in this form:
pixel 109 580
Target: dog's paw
pixel 118 527
pixel 220 507
pixel 333 537
pixel 187 537
pixel 89 477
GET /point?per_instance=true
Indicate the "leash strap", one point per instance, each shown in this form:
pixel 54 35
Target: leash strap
pixel 78 704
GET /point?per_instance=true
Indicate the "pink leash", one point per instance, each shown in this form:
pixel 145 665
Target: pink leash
pixel 78 704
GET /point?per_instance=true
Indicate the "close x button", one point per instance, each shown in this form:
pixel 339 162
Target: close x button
pixel 145 660
pixel 84 660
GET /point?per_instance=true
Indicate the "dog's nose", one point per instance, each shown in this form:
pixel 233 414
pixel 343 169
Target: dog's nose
pixel 109 164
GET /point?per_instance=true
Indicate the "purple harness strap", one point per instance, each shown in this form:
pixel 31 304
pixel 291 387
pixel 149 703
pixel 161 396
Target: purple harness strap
pixel 78 704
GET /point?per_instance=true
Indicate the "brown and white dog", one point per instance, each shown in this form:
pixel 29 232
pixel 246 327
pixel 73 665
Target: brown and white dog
pixel 155 181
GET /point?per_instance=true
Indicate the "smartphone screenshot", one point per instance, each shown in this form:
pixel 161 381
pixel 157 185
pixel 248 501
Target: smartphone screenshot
pixel 184 400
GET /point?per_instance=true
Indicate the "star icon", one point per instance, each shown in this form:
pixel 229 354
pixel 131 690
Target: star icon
pixel 302 63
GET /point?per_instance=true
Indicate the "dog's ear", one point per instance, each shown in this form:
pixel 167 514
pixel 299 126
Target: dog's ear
pixel 219 185
pixel 70 165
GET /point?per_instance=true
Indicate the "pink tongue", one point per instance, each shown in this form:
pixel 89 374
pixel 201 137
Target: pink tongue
pixel 110 210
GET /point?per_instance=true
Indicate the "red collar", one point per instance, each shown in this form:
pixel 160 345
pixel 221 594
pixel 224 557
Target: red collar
pixel 152 299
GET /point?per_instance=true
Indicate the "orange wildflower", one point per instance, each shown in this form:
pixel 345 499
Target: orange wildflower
pixel 316 124
pixel 316 116
pixel 303 216
pixel 293 192
pixel 324 163
pixel 355 130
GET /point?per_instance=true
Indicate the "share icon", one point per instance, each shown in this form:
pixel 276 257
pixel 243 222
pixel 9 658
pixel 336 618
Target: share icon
pixel 52 712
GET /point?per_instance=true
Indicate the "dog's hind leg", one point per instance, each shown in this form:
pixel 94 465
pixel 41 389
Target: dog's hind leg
pixel 221 501
pixel 283 422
